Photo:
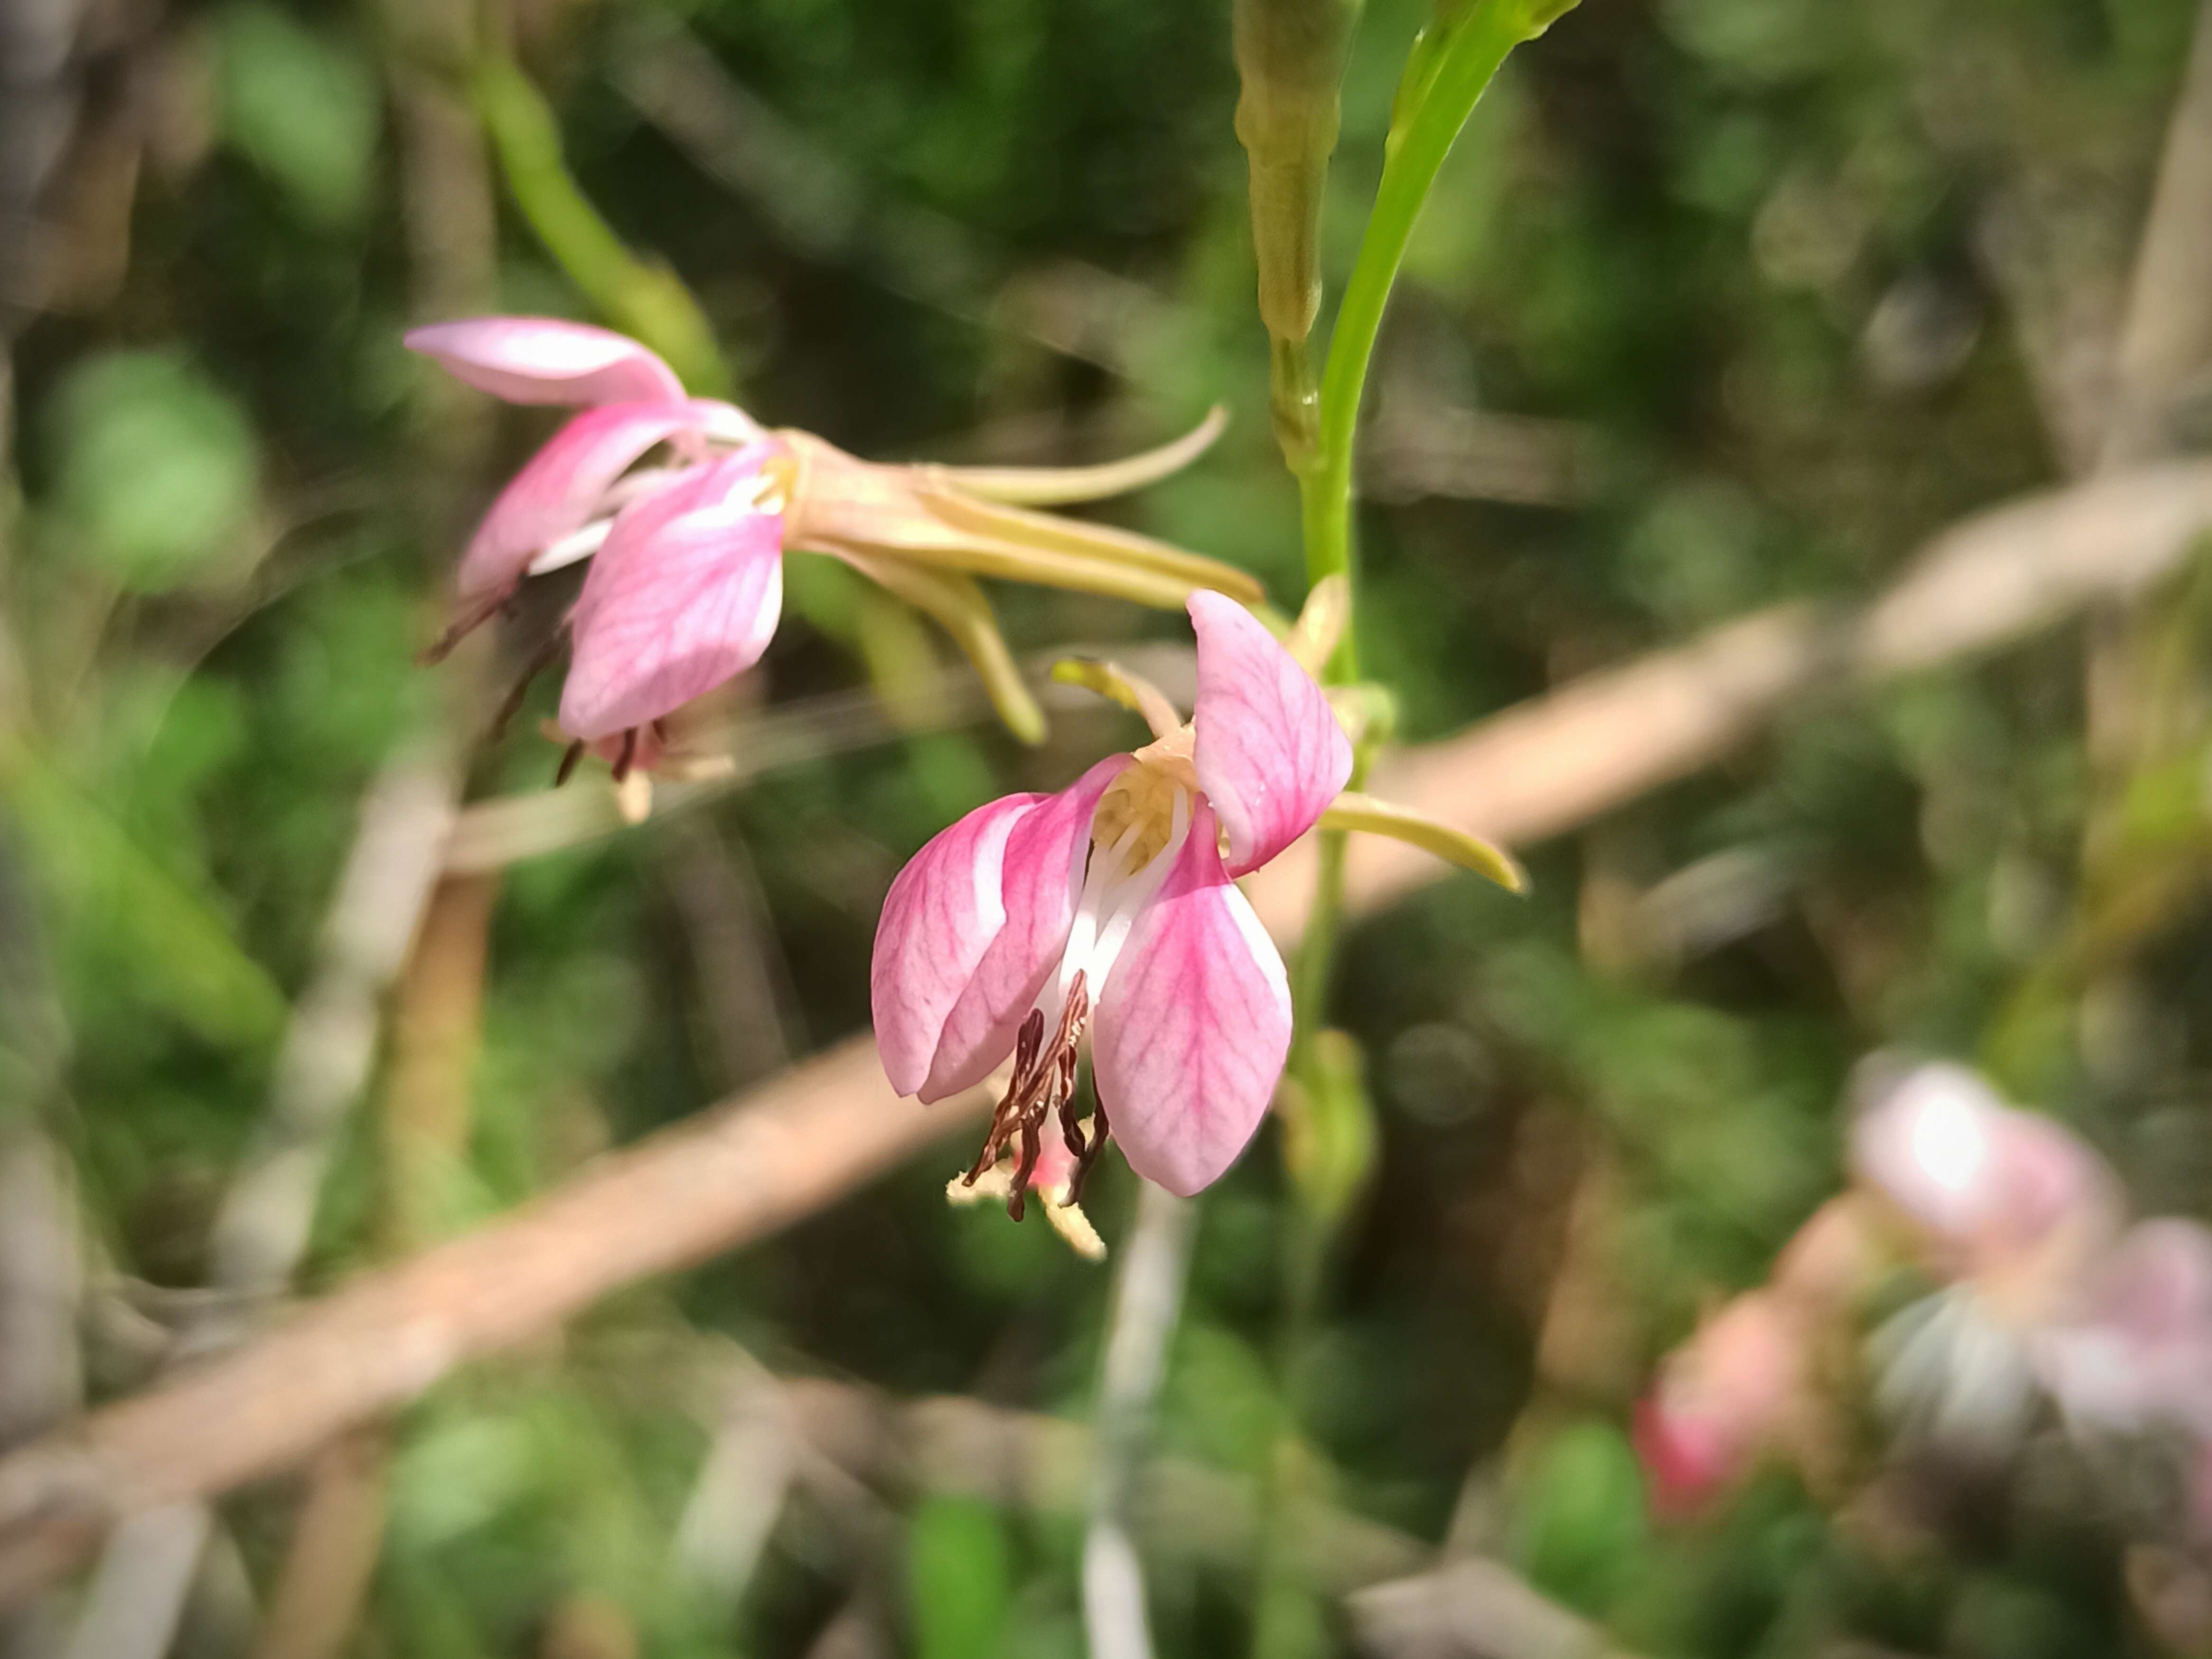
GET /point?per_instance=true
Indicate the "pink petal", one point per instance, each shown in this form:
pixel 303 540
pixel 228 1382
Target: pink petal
pixel 1044 864
pixel 1687 1457
pixel 1722 1397
pixel 560 489
pixel 1194 1024
pixel 2143 1350
pixel 940 917
pixel 1930 1146
pixel 2158 1282
pixel 542 360
pixel 1270 756
pixel 685 593
pixel 2048 1176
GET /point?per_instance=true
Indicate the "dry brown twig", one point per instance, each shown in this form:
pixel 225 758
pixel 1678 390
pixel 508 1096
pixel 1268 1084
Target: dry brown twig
pixel 737 1173
pixel 957 1446
pixel 1471 1609
pixel 261 1232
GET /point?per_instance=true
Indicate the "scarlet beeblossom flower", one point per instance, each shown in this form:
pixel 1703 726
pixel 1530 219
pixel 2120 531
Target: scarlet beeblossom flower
pixel 1111 907
pixel 2011 1213
pixel 686 583
pixel 1753 1381
pixel 1722 1399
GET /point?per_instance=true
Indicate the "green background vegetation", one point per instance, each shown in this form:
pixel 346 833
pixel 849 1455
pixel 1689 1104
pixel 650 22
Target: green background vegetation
pixel 1778 276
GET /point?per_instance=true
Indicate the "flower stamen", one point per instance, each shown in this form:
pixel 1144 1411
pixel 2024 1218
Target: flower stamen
pixel 1043 1084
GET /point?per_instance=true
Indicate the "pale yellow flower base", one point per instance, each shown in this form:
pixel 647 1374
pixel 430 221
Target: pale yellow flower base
pixel 1067 1219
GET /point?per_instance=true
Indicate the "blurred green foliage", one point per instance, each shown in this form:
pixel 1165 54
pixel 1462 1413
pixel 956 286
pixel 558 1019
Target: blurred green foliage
pixel 1789 280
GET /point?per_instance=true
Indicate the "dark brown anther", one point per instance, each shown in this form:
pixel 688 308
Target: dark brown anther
pixel 1008 1117
pixel 1042 1086
pixel 567 769
pixel 660 730
pixel 464 621
pixel 627 754
pixel 1024 1167
pixel 512 704
pixel 1088 1155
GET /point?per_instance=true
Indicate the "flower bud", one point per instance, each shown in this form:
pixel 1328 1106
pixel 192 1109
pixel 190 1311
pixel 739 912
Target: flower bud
pixel 1289 58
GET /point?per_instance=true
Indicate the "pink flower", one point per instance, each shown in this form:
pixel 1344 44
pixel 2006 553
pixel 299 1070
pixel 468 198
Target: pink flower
pixel 632 404
pixel 686 585
pixel 1010 929
pixel 688 581
pixel 2139 1354
pixel 1111 907
pixel 2005 1197
pixel 1722 1399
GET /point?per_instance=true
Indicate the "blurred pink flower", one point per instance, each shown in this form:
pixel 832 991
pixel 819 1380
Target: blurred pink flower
pixel 1721 1400
pixel 2139 1355
pixel 2012 1213
pixel 632 403
pixel 2006 1197
pixel 1006 931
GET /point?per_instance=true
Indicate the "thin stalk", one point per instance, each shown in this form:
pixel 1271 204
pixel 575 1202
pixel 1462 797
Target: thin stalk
pixel 1317 949
pixel 1452 62
pixel 1147 1301
pixel 1283 1617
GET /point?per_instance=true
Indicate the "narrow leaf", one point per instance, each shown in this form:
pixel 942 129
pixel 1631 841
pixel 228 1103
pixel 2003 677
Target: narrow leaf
pixel 1354 811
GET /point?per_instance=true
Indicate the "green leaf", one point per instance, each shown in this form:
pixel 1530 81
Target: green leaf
pixel 959 1579
pixel 174 949
pixel 1582 1522
pixel 302 109
pixel 157 467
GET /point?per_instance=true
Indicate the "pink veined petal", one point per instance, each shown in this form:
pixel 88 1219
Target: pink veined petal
pixel 1044 865
pixel 543 360
pixel 940 917
pixel 685 594
pixel 1194 1024
pixel 1269 753
pixel 559 489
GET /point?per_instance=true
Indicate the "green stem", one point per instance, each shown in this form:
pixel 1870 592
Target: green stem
pixel 643 298
pixel 1452 62
pixel 1317 949
pixel 1285 1619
